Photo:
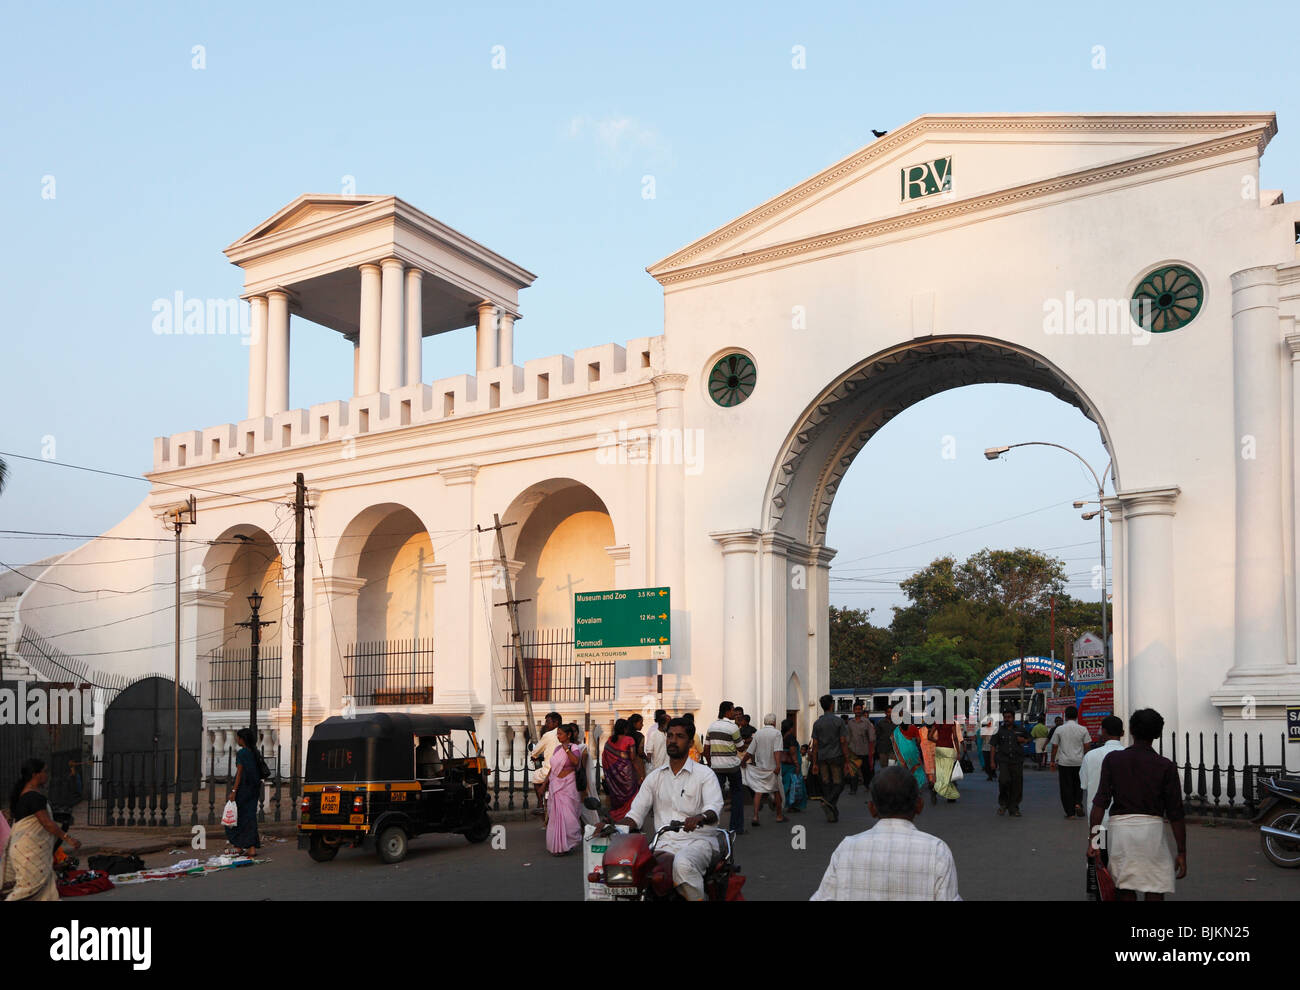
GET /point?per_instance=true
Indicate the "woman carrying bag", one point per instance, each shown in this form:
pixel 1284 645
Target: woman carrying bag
pixel 244 791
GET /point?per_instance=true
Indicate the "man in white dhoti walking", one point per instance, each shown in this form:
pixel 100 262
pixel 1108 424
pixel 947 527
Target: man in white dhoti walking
pixel 1140 787
pixel 685 791
pixel 761 766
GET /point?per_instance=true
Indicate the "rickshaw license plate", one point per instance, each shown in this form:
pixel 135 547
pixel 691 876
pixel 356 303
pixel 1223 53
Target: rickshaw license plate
pixel 623 891
pixel 329 804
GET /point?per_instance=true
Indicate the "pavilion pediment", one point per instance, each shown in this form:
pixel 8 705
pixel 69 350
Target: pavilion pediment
pixel 942 159
pixel 303 211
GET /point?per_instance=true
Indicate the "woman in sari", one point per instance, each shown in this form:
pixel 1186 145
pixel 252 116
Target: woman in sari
pixel 945 757
pixel 29 854
pixel 563 821
pixel 907 747
pixel 244 792
pixel 796 797
pixel 622 773
pixel 927 743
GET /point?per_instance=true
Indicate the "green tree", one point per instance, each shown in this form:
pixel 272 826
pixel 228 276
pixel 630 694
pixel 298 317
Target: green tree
pixel 860 652
pixel 931 589
pixel 937 661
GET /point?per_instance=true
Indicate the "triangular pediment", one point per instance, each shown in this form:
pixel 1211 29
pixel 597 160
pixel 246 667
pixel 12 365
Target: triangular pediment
pixel 306 209
pixel 937 159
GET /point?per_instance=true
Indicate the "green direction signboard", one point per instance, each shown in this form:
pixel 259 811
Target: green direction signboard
pixel 621 625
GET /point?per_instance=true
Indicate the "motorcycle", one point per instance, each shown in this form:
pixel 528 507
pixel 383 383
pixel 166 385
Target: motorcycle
pixel 632 868
pixel 1280 813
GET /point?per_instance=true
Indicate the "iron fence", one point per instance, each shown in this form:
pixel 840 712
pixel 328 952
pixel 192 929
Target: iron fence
pixel 137 790
pixel 1226 786
pixel 390 672
pixel 230 672
pixel 553 675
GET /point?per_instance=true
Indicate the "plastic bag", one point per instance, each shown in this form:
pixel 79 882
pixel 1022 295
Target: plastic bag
pixel 957 773
pixel 230 816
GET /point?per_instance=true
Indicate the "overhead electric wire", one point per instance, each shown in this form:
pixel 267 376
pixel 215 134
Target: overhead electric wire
pixel 137 477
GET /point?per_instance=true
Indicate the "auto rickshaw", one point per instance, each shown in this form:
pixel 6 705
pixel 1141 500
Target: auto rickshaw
pixel 377 781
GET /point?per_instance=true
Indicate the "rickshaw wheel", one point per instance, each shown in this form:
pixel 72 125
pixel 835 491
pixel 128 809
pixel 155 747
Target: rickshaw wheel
pixel 321 851
pixel 481 831
pixel 391 844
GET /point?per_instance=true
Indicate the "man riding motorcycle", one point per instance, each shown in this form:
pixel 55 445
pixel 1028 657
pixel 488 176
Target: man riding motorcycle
pixel 686 791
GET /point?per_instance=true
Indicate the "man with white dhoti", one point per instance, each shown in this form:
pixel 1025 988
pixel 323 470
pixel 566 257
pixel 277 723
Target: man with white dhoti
pixel 543 751
pixel 761 766
pixel 1141 789
pixel 685 791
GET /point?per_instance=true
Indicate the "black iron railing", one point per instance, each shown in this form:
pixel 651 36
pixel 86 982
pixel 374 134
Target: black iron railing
pixel 230 672
pixel 553 674
pixel 1225 785
pixel 389 672
pixel 137 790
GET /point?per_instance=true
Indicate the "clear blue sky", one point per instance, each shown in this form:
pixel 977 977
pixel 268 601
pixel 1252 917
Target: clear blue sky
pixel 157 166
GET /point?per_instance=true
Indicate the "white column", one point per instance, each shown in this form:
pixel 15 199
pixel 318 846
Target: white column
pixel 1149 578
pixel 487 337
pixel 1292 341
pixel 458 607
pixel 739 618
pixel 277 352
pixel 670 509
pixel 1260 624
pixel 333 616
pixel 1119 607
pixel 203 619
pixel 356 365
pixel 392 330
pixel 621 555
pixel 414 326
pixel 257 358
pixel 369 337
pixel 506 340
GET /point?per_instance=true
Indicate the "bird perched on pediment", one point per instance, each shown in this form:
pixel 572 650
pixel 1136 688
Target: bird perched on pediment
pixel 877 133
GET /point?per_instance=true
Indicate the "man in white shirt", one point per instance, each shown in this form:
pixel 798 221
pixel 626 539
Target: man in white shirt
pixel 655 741
pixel 1112 732
pixel 543 751
pixel 685 791
pixel 893 860
pixel 761 766
pixel 1068 745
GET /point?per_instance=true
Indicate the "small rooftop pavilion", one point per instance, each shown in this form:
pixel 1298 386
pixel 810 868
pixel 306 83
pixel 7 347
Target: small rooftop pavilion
pixel 378 271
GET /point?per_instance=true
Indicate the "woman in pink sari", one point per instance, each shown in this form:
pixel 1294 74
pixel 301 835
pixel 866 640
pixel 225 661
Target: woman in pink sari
pixel 563 824
pixel 622 769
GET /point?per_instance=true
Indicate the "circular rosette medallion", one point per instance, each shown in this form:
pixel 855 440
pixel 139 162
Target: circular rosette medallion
pixel 732 380
pixel 1167 299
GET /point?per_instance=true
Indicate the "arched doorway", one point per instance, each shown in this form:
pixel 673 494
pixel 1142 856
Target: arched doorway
pixel 823 443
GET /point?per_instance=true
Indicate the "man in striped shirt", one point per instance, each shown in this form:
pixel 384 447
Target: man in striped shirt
pixel 894 860
pixel 722 753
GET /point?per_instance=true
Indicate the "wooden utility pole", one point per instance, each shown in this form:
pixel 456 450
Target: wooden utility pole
pixel 295 724
pixel 181 516
pixel 512 608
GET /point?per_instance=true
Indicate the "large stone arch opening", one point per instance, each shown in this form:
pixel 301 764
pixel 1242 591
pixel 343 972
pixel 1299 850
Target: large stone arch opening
pixel 384 574
pixel 838 423
pixel 564 543
pixel 815 456
pixel 243 559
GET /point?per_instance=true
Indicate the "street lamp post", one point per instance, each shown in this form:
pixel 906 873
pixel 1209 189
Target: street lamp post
pixel 993 453
pixel 255 625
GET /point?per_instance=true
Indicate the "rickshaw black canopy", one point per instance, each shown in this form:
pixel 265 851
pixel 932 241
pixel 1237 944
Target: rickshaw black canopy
pixel 374 747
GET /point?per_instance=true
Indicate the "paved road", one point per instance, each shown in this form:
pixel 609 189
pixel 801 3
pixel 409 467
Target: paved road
pixel 1036 857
